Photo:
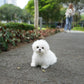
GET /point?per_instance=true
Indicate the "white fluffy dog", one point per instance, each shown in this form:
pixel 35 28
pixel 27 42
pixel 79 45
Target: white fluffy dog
pixel 42 55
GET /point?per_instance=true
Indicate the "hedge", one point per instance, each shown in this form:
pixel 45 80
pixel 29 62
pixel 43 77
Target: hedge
pixel 22 26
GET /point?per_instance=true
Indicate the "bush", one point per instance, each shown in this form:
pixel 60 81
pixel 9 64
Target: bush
pixel 53 26
pixel 76 24
pixel 12 37
pixel 3 39
pixel 22 26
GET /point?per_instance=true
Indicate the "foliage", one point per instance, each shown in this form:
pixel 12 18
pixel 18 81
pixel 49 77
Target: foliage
pixel 30 7
pixel 11 37
pixel 76 24
pixel 48 32
pixel 68 1
pixel 62 12
pixel 49 10
pixel 82 17
pixel 26 16
pixel 78 28
pixel 9 12
pixel 76 17
pixel 22 26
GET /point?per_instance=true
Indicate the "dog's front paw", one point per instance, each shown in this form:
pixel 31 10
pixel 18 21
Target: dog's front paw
pixel 44 67
pixel 33 65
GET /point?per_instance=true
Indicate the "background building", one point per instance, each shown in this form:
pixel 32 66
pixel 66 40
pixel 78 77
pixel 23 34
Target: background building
pixel 2 2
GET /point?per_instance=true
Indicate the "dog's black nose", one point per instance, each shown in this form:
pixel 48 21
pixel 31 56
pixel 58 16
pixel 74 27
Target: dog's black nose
pixel 39 49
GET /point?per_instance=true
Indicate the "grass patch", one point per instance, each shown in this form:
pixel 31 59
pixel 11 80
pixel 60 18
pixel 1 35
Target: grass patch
pixel 78 28
pixel 42 28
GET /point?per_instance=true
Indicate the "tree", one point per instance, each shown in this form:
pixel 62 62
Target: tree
pixel 49 10
pixel 9 12
pixel 30 7
pixel 36 16
pixel 25 16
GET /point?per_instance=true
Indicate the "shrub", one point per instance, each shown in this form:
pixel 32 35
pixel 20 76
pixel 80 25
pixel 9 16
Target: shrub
pixel 22 26
pixel 12 37
pixel 53 26
pixel 48 32
pixel 3 43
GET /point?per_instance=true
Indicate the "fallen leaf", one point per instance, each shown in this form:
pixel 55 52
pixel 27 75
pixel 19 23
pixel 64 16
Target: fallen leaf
pixel 18 68
pixel 43 70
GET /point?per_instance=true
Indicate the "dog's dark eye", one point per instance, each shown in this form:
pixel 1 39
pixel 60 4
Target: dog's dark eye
pixel 42 47
pixel 37 47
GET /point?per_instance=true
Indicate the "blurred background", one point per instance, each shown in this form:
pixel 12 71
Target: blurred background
pixel 17 21
pixel 52 12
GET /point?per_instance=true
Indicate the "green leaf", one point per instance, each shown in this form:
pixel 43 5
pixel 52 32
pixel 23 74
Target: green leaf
pixel 0 34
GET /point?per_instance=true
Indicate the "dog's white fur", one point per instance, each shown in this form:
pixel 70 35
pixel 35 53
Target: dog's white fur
pixel 42 55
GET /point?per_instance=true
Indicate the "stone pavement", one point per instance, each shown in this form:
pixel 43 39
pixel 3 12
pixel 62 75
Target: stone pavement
pixel 69 48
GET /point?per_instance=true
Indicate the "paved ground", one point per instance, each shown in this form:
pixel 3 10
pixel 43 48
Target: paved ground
pixel 69 48
pixel 74 31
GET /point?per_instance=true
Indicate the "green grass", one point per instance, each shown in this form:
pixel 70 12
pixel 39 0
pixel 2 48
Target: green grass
pixel 42 28
pixel 78 28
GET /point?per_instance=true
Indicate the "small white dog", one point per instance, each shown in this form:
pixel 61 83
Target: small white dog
pixel 42 55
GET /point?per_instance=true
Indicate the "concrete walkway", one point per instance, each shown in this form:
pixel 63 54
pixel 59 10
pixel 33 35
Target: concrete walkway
pixel 69 48
pixel 74 31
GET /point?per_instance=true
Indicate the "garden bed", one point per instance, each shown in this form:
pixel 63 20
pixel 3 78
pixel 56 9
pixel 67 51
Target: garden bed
pixel 10 38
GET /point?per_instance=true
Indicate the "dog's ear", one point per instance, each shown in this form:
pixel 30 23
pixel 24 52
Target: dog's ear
pixel 34 45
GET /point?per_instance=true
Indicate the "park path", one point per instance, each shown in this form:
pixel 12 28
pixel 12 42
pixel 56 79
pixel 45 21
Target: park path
pixel 69 48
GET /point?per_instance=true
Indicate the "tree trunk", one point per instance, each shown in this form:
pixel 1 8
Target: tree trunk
pixel 36 15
